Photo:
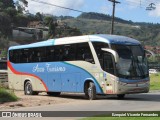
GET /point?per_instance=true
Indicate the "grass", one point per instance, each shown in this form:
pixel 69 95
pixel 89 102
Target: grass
pixel 7 96
pixel 155 81
pixel 122 118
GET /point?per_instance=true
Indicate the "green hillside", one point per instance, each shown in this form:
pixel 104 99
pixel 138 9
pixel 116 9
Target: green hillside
pixel 147 33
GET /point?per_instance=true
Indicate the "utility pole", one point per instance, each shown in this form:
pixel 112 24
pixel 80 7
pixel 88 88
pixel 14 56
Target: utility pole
pixel 113 12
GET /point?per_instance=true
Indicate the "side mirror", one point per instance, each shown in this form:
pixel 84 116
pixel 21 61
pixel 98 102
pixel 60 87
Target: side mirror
pixel 114 53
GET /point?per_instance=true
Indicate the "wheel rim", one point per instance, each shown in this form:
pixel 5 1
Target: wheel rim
pixel 28 88
pixel 90 92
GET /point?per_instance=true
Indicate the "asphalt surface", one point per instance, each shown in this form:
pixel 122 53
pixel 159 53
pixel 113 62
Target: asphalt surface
pixel 136 102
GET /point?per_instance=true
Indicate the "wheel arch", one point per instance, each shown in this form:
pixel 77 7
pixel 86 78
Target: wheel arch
pixel 97 85
pixel 25 81
pixel 86 83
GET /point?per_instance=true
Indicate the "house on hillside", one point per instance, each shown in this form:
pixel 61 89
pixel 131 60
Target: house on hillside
pixel 35 31
pixel 136 26
pixel 61 24
pixel 36 24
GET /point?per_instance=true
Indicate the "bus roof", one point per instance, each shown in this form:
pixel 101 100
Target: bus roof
pixel 110 39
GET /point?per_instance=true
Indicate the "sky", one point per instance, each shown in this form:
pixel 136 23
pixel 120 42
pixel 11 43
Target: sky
pixel 134 10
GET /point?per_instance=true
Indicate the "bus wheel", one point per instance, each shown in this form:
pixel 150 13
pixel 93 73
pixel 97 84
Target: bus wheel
pixel 54 93
pixel 91 91
pixel 28 89
pixel 121 96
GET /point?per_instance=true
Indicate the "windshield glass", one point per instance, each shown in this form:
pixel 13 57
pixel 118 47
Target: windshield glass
pixel 132 62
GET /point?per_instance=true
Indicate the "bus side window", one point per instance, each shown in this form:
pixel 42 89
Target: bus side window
pixel 38 54
pixel 84 52
pixel 31 56
pixel 58 53
pixel 69 52
pixel 99 52
pixel 61 54
pixel 50 54
pixel 98 46
pixel 24 56
pixel 14 56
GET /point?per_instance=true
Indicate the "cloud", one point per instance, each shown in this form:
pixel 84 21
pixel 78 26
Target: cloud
pixel 156 12
pixel 35 7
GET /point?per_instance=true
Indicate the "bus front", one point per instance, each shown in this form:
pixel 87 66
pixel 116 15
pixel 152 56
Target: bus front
pixel 125 67
pixel 131 69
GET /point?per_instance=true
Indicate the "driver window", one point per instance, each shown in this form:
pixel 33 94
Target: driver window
pixel 108 64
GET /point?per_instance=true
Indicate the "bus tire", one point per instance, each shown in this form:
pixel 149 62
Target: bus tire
pixel 91 91
pixel 54 93
pixel 121 96
pixel 28 90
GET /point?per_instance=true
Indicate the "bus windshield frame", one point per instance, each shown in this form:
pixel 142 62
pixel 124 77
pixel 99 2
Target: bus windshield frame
pixel 132 62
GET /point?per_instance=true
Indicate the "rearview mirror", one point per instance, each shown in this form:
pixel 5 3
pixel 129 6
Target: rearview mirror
pixel 114 53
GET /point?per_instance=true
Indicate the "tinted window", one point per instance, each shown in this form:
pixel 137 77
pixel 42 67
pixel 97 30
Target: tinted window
pixel 61 53
pixel 25 56
pixel 51 54
pixel 84 52
pixel 108 64
pixel 14 56
pixel 98 46
pixel 69 52
pixel 38 54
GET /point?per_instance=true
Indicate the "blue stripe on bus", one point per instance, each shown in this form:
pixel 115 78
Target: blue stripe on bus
pixel 60 76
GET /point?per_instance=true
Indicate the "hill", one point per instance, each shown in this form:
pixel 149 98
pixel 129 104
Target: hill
pixel 100 16
pixel 91 23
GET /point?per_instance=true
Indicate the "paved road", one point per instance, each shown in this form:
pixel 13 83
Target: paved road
pixel 136 102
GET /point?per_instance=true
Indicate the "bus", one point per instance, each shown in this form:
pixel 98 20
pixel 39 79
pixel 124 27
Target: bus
pixel 91 64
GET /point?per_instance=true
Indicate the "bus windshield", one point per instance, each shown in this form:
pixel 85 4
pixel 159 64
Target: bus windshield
pixel 132 62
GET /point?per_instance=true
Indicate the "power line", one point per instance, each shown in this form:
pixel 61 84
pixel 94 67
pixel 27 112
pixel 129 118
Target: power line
pixel 113 12
pixel 140 3
pixel 57 6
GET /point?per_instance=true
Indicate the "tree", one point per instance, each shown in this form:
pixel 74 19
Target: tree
pixel 3 42
pixel 21 5
pixel 48 19
pixel 4 4
pixel 52 29
pixel 21 20
pixel 39 16
pixel 5 25
pixel 11 12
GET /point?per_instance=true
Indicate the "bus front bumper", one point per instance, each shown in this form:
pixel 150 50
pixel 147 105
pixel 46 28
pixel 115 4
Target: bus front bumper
pixel 131 88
